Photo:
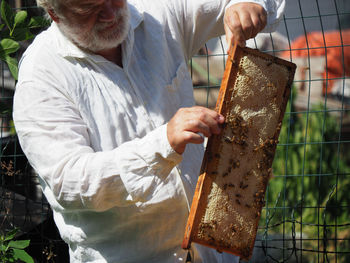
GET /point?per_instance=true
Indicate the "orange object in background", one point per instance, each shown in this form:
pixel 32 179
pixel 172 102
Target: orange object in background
pixel 334 45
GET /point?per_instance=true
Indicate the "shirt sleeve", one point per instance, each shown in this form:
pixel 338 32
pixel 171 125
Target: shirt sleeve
pixel 56 142
pixel 198 20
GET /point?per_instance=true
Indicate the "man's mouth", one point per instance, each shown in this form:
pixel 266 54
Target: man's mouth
pixel 110 26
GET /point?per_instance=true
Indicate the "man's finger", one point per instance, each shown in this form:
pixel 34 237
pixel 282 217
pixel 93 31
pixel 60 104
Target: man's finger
pixel 233 28
pixel 193 137
pixel 247 25
pixel 195 126
pixel 259 22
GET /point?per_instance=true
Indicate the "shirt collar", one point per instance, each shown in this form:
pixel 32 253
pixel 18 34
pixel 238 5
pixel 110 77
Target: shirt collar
pixel 67 48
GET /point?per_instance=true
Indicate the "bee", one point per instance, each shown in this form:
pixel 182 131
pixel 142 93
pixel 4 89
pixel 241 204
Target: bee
pixel 211 238
pixel 270 85
pixel 236 164
pixel 228 139
pixel 233 228
pixel 250 123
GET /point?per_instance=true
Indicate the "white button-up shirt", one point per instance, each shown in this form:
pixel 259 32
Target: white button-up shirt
pixel 96 133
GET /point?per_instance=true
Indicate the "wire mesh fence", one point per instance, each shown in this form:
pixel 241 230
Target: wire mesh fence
pixel 306 217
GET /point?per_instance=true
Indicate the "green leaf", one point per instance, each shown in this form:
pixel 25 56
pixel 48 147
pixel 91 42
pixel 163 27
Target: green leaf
pixel 20 18
pixel 21 244
pixel 3 248
pixel 38 22
pixel 8 46
pixel 2 26
pixel 12 63
pixel 11 234
pixel 20 34
pixel 7 14
pixel 22 255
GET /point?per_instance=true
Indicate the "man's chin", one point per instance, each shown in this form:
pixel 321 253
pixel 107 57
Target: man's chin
pixel 106 43
pixel 96 40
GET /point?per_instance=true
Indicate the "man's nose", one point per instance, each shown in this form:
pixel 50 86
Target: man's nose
pixel 107 14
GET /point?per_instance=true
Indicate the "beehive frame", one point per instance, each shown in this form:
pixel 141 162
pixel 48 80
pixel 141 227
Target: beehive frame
pixel 237 163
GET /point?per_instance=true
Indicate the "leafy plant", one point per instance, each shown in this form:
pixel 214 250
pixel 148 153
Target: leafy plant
pixel 15 27
pixel 310 190
pixel 310 161
pixel 13 250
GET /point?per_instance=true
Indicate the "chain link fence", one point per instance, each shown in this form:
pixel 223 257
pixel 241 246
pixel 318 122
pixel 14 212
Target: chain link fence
pixel 306 217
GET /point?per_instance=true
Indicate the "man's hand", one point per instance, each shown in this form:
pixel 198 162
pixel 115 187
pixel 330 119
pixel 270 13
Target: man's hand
pixel 243 21
pixel 187 123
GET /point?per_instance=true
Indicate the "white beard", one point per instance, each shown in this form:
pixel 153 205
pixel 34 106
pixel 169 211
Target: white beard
pixel 97 39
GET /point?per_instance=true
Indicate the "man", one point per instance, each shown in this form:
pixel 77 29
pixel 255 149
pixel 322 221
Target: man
pixel 104 112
